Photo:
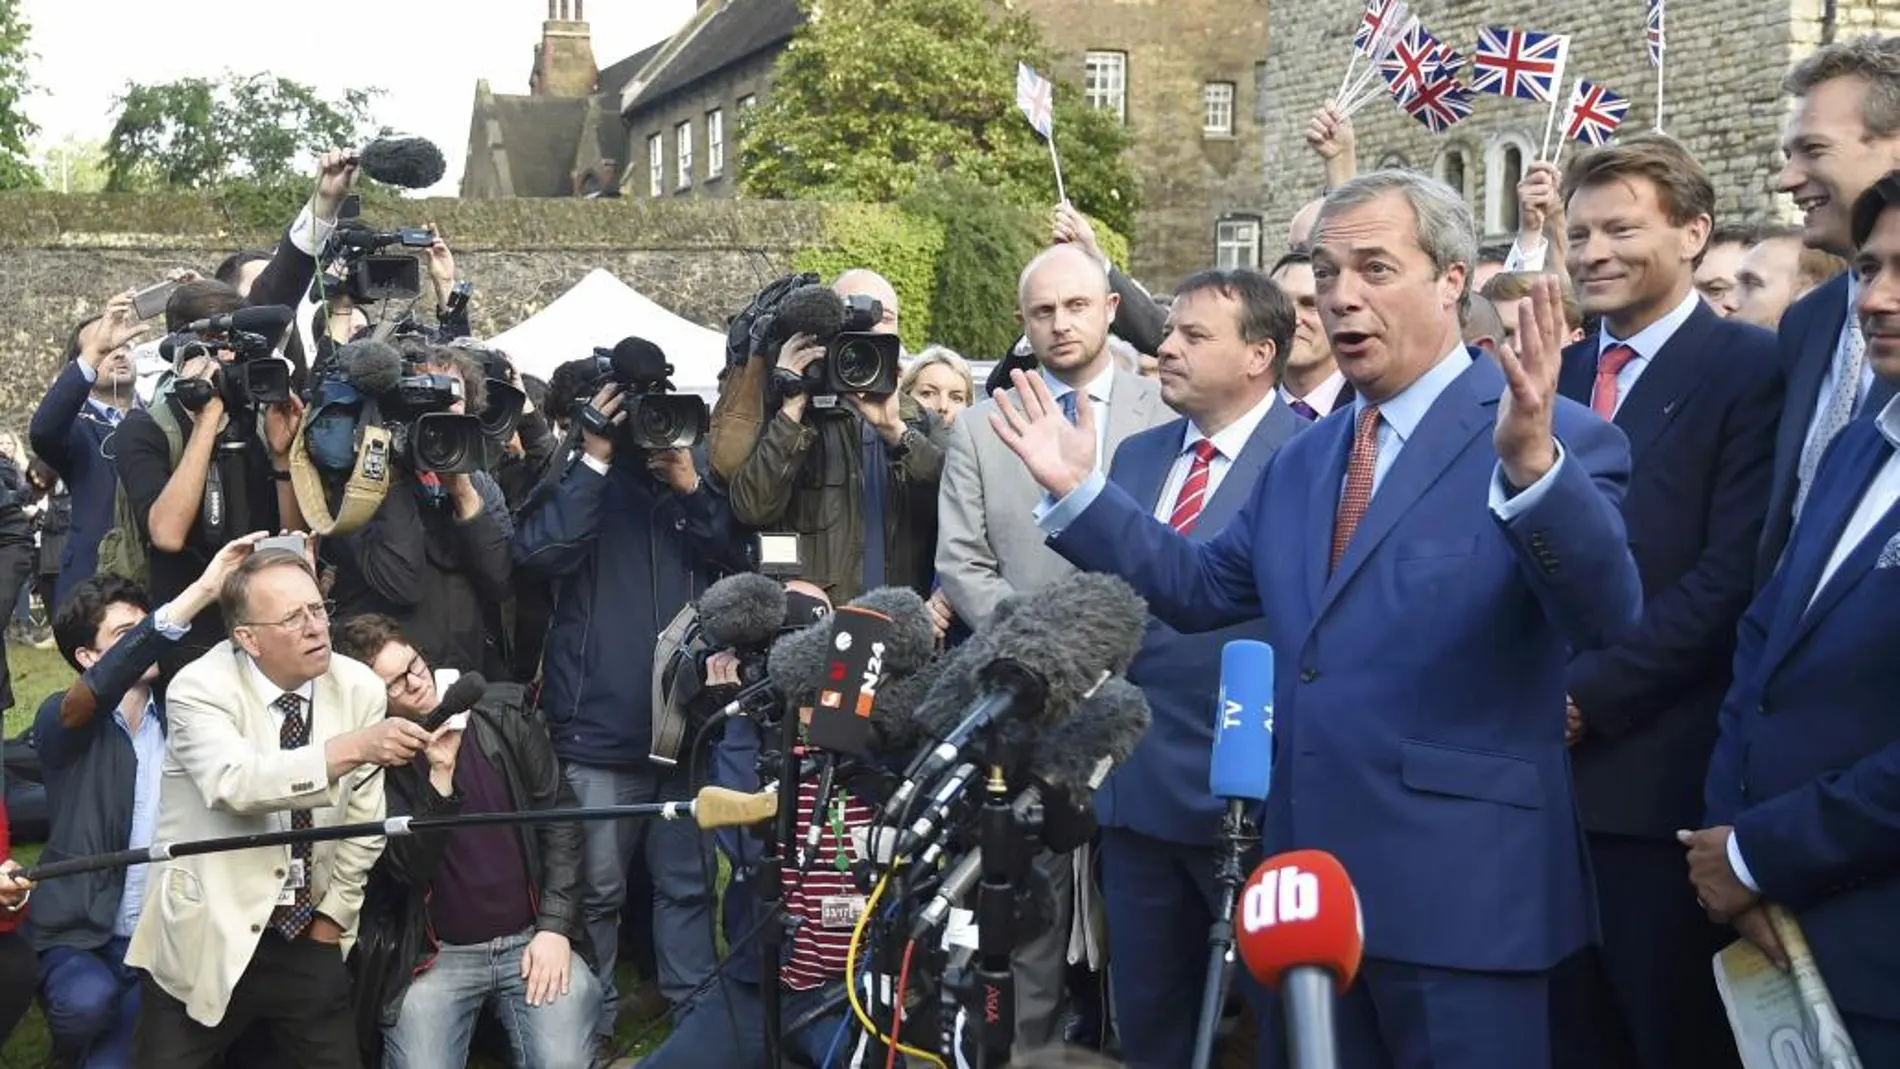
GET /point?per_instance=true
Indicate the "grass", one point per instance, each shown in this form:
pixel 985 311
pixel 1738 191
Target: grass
pixel 38 673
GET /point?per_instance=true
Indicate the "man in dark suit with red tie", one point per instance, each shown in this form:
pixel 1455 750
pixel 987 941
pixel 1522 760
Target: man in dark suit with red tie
pixel 1804 788
pixel 1697 396
pixel 1423 563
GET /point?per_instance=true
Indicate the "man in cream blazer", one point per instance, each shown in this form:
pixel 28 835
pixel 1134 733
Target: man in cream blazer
pixel 267 731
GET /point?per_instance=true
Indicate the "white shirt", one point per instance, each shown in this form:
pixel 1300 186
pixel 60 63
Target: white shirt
pixel 1322 398
pixel 1522 259
pixel 1100 390
pixel 1647 342
pixel 270 692
pixel 1835 366
pixel 1228 443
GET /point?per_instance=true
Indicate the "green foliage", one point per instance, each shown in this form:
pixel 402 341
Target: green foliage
pixel 197 133
pixel 16 167
pixel 902 247
pixel 875 96
pixel 74 166
pixel 986 242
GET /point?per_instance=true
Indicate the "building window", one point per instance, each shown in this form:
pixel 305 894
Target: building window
pixel 1503 169
pixel 1237 243
pixel 656 166
pixel 715 143
pixel 1451 171
pixel 1217 109
pixel 1105 82
pixel 683 138
pixel 750 100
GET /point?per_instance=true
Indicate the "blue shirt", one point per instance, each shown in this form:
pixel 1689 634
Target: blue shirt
pixel 148 745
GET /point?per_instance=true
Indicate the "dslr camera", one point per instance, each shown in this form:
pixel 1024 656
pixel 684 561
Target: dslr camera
pixel 370 275
pixel 657 417
pixel 424 433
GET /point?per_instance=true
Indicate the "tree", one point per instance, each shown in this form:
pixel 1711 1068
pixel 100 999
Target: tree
pixel 197 133
pixel 74 166
pixel 873 96
pixel 16 164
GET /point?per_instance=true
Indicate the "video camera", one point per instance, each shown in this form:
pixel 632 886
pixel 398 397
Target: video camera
pixel 253 377
pixel 855 361
pixel 424 433
pixel 657 417
pixel 368 275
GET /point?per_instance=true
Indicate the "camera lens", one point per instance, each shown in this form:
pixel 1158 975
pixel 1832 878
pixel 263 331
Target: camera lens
pixel 447 443
pixel 657 423
pixel 857 364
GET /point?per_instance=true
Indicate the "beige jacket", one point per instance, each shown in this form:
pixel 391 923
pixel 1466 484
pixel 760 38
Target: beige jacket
pixel 225 775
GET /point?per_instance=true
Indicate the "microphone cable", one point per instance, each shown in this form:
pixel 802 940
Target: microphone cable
pixel 851 981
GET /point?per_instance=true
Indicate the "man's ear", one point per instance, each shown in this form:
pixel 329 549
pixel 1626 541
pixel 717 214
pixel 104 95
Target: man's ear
pixel 86 656
pixel 245 641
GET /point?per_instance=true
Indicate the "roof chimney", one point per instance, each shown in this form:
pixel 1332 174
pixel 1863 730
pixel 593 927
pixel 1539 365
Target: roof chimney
pixel 564 64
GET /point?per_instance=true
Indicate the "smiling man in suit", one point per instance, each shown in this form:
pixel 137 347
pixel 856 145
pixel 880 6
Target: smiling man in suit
pixel 1804 788
pixel 1423 562
pixel 1228 339
pixel 1697 396
pixel 1842 134
pixel 987 542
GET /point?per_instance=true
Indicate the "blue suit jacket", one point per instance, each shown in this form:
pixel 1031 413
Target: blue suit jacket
pixel 1162 790
pixel 1808 765
pixel 1810 331
pixel 71 438
pixel 1420 686
pixel 1701 428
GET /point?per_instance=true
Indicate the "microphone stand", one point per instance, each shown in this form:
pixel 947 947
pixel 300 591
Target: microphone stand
pixel 995 983
pixel 771 886
pixel 1238 837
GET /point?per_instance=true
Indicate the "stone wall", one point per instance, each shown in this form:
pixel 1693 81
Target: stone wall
pixel 65 255
pixel 1722 94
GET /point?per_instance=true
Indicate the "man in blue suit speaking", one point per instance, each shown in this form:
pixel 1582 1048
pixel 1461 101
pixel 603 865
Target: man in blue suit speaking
pixel 1423 560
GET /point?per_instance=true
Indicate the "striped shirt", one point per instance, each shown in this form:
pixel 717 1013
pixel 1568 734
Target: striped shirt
pixel 817 951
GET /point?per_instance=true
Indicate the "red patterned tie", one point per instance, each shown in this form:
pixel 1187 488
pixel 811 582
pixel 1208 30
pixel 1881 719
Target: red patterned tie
pixel 1193 496
pixel 1609 365
pixel 1360 467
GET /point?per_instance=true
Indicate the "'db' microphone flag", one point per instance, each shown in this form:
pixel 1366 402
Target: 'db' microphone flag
pixel 1242 767
pixel 1299 911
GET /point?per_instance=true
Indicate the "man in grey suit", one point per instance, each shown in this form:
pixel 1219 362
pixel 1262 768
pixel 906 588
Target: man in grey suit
pixel 988 546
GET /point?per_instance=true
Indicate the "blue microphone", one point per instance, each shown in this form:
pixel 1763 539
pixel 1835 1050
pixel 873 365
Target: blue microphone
pixel 1243 733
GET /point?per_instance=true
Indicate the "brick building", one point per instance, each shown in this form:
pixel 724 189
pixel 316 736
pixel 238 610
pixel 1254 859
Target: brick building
pixel 1722 93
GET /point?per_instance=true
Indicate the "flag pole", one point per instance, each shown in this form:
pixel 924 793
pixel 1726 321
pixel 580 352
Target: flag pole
pixel 1062 196
pixel 1661 57
pixel 1550 124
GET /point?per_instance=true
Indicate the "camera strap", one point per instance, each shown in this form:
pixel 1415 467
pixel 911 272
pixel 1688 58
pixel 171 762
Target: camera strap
pixel 362 495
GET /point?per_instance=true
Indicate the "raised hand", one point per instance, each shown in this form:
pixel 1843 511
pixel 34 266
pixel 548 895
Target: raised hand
pixel 336 176
pixel 114 330
pixel 1329 133
pixel 1058 454
pixel 1525 441
pixel 1537 199
pixel 1072 226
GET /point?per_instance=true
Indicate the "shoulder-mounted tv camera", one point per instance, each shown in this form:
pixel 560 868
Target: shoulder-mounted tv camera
pixel 368 274
pixel 855 361
pixel 657 417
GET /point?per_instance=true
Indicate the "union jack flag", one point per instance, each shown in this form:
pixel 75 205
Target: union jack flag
pixel 1519 63
pixel 1440 104
pixel 1377 12
pixel 1448 63
pixel 1595 113
pixel 1036 96
pixel 1412 63
pixel 1654 22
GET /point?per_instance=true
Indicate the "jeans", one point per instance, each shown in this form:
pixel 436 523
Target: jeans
pixel 441 1006
pixel 682 894
pixel 704 1035
pixel 91 1000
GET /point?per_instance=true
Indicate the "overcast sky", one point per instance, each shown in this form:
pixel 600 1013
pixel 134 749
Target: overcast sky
pixel 425 54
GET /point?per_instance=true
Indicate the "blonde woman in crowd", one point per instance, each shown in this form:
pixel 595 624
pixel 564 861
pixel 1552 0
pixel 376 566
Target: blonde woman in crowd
pixel 940 381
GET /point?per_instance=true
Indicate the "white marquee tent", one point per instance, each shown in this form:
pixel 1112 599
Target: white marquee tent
pixel 599 311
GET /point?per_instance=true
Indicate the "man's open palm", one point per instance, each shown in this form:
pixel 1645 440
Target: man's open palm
pixel 1058 454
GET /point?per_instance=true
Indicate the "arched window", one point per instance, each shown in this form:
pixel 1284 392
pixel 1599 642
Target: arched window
pixel 1505 160
pixel 1451 170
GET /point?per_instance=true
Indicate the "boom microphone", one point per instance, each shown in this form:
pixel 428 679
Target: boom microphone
pixel 813 310
pixel 409 162
pixel 373 367
pixel 743 611
pixel 463 694
pixel 1301 933
pixel 265 319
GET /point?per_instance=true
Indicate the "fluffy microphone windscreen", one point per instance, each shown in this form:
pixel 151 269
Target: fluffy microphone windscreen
pixel 1299 908
pixel 912 642
pixel 265 319
pixel 798 661
pixel 742 611
pixel 895 726
pixel 639 360
pixel 1073 756
pixel 409 162
pixel 373 367
pixel 813 310
pixel 1073 632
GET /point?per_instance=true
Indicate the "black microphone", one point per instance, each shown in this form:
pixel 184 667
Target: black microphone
pixel 265 319
pixel 373 367
pixel 813 310
pixel 742 612
pixel 409 162
pixel 637 360
pixel 463 694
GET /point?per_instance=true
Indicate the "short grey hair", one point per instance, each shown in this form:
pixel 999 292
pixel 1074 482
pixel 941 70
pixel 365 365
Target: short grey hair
pixel 234 597
pixel 1446 231
pixel 1873 59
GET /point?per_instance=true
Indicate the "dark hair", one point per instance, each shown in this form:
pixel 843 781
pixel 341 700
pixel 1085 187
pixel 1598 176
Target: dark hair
pixel 362 638
pixel 1743 234
pixel 567 386
pixel 1682 186
pixel 1868 207
pixel 1873 59
pixel 74 341
pixel 227 271
pixel 76 625
pixel 469 369
pixel 1265 312
pixel 1297 256
pixel 42 475
pixel 197 300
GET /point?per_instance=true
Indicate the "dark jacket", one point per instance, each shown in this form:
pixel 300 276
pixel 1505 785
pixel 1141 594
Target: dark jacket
pixel 432 572
pixel 17 555
pixel 91 774
pixel 72 438
pixel 624 554
pixel 397 944
pixel 808 476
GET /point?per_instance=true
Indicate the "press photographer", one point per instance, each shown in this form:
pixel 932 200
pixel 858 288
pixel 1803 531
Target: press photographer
pixel 847 463
pixel 210 459
pixel 627 534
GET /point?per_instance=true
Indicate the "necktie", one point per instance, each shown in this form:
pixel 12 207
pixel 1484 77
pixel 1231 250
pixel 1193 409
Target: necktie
pixel 290 921
pixel 1068 403
pixel 1839 412
pixel 1193 495
pixel 1609 365
pixel 1304 411
pixel 1360 467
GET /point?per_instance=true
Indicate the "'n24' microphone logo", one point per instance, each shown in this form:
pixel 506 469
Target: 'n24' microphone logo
pixel 1281 896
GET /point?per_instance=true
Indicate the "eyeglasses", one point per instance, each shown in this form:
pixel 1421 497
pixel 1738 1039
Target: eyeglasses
pixel 318 613
pixel 417 672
